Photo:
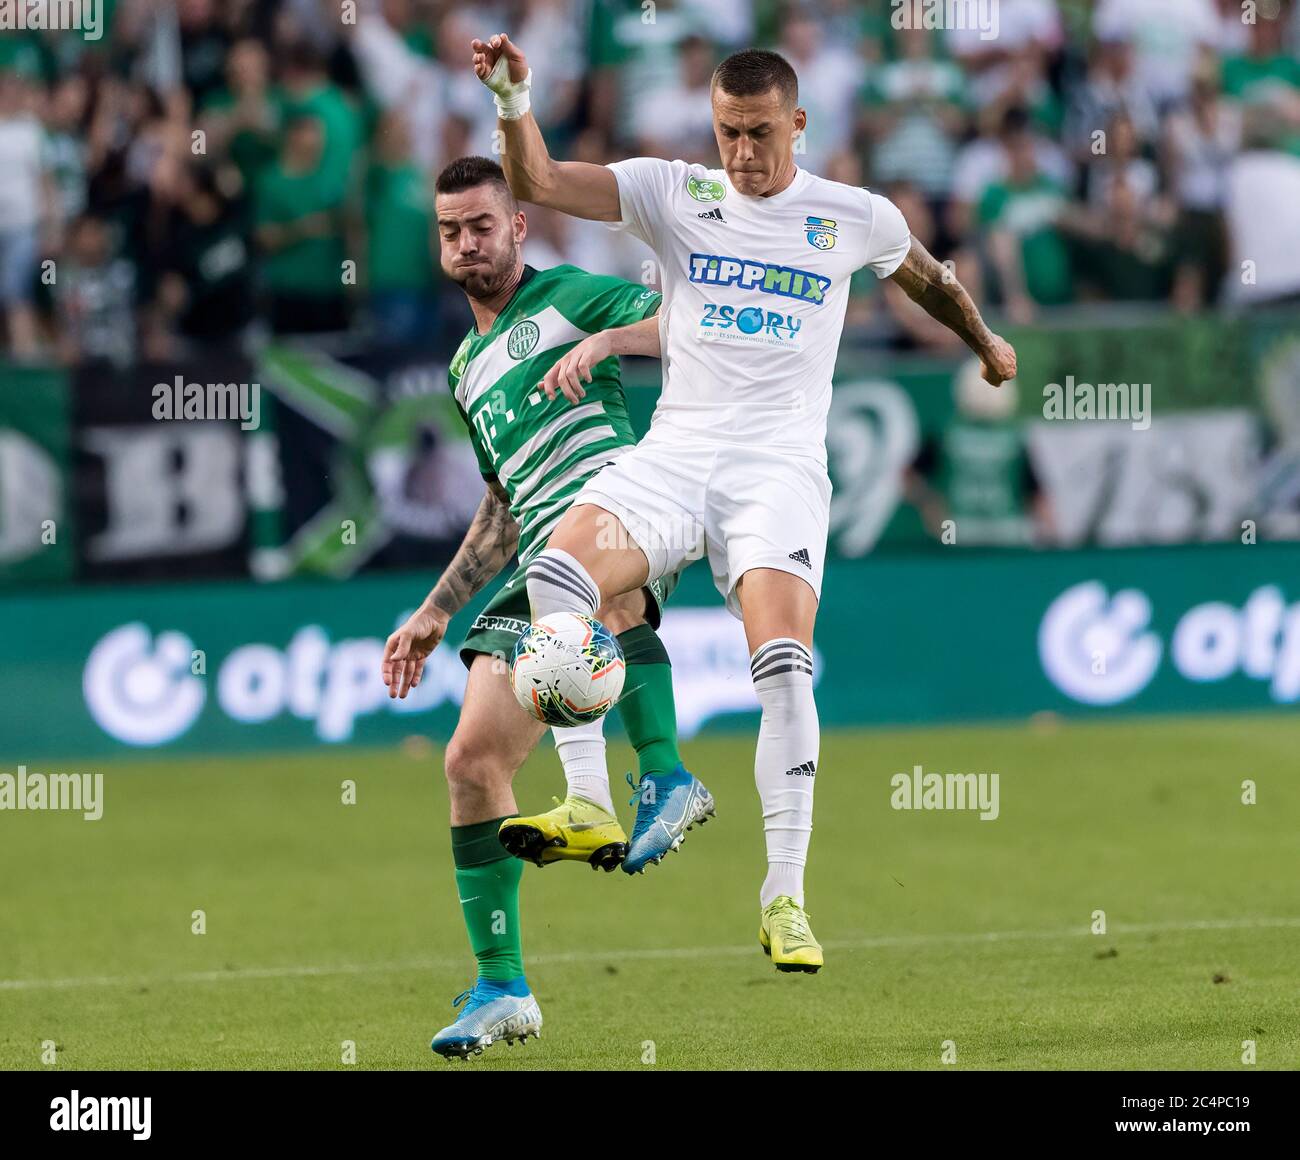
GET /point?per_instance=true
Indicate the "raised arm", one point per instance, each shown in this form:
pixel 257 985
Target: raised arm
pixel 573 187
pixel 936 290
pixel 489 543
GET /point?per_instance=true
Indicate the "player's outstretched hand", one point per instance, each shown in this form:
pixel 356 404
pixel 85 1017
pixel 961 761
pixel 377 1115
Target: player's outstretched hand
pixel 408 648
pixel 999 362
pixel 575 368
pixel 488 52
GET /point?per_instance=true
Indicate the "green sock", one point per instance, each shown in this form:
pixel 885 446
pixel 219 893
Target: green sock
pixel 488 881
pixel 647 708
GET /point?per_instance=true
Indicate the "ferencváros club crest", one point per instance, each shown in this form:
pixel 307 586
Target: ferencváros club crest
pixel 705 189
pixel 523 338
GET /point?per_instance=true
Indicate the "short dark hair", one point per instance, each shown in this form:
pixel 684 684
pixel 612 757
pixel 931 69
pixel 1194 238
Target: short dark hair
pixel 754 71
pixel 471 172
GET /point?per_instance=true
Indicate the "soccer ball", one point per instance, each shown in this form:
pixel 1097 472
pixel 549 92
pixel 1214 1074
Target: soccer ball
pixel 567 669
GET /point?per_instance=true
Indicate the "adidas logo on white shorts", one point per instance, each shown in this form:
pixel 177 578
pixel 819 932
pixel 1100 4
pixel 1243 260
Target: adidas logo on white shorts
pixel 801 557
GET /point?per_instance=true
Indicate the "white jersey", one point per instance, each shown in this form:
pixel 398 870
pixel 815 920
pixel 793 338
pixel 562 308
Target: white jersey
pixel 755 290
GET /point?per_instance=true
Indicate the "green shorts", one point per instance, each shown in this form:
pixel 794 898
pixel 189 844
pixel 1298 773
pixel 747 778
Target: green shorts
pixel 507 614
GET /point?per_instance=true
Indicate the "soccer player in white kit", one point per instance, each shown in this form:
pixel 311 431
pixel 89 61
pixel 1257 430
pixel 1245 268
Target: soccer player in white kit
pixel 754 260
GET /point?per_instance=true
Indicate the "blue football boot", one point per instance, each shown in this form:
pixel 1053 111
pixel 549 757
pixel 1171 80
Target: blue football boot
pixel 492 1011
pixel 667 805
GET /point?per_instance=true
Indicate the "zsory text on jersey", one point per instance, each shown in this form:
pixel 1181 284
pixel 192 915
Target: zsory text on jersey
pixel 787 281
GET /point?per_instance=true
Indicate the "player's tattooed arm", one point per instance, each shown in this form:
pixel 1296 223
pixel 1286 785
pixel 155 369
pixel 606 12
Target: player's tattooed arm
pixel 935 288
pixel 488 545
pixel 491 540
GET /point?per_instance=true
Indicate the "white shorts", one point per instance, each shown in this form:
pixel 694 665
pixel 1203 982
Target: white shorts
pixel 744 508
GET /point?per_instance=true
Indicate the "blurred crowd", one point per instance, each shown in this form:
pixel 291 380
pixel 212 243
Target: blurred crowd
pixel 211 172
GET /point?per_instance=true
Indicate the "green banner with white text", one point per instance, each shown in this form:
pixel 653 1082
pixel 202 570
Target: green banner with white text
pixel 220 667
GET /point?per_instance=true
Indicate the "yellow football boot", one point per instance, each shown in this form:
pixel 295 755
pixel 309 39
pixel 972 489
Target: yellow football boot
pixel 785 936
pixel 575 831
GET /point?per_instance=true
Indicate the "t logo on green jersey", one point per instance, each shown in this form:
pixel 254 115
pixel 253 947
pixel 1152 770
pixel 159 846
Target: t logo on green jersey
pixel 705 189
pixel 522 339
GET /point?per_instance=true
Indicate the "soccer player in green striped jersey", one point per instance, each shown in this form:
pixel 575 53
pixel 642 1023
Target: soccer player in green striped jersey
pixel 535 450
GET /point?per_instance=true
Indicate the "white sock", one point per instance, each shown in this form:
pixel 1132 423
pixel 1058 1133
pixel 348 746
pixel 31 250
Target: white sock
pixel 785 763
pixel 558 583
pixel 582 752
pixel 782 878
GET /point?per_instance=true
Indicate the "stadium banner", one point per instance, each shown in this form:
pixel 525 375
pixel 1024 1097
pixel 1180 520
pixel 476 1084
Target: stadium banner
pixel 36 527
pixel 218 667
pixel 1198 439
pixel 165 457
pixel 358 460
pixel 1192 476
pixel 377 467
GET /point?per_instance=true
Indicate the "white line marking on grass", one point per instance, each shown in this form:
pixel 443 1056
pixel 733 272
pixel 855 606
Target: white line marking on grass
pixel 884 942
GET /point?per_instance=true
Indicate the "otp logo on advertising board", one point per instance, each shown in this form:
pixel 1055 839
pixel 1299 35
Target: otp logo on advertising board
pixel 1099 649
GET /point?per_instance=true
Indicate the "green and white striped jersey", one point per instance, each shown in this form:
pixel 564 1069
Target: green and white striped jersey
pixel 543 451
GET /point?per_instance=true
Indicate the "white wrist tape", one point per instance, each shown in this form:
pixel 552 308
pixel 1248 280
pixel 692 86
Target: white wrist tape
pixel 511 97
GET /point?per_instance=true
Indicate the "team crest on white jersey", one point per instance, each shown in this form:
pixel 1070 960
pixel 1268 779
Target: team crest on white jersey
pixel 821 232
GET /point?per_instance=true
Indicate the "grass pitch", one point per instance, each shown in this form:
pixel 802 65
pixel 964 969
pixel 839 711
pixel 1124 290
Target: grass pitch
pixel 328 922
